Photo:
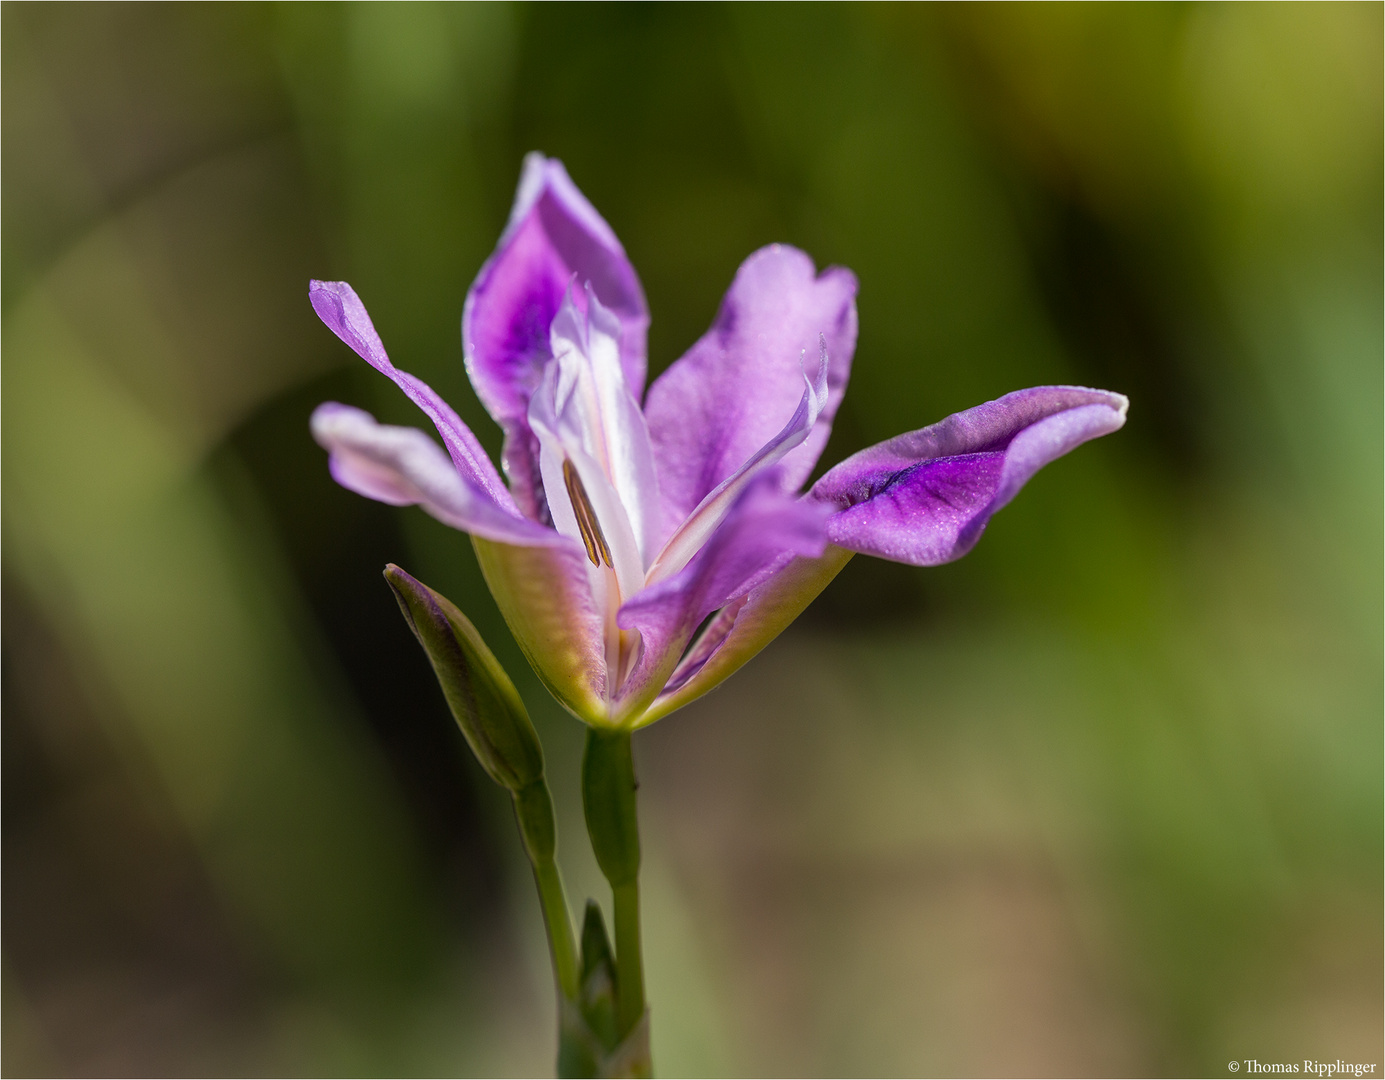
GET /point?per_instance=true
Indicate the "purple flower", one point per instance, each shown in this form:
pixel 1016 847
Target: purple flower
pixel 623 528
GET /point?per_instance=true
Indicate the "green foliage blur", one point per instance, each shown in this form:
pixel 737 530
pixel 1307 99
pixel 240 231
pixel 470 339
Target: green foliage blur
pixel 1104 798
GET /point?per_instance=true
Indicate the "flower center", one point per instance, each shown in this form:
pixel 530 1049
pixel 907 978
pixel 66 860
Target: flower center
pixel 594 447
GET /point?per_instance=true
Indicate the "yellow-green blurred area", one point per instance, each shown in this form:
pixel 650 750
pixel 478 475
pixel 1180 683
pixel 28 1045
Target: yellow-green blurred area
pixel 1104 798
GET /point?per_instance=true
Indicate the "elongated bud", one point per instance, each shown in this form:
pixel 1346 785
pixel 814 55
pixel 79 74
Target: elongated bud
pixel 608 798
pixel 598 986
pixel 589 1043
pixel 482 698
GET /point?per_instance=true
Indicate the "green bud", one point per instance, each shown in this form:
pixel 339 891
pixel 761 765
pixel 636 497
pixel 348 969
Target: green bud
pixel 588 1042
pixel 608 798
pixel 482 698
pixel 598 987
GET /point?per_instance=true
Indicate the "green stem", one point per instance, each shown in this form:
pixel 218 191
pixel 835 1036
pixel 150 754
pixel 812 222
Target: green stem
pixel 537 827
pixel 561 942
pixel 629 955
pixel 608 798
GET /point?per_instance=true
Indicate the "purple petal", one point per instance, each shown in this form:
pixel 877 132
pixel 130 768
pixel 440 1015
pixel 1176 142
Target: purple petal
pixel 404 467
pixel 711 639
pixel 764 531
pixel 553 237
pixel 925 497
pixel 689 537
pixel 735 389
pixel 985 455
pixel 744 627
pixel 337 305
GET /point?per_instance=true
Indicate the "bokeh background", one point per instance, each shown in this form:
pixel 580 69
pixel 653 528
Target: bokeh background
pixel 1103 798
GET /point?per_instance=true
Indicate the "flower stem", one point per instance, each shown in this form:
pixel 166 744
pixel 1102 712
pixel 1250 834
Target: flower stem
pixel 608 798
pixel 534 814
pixel 629 955
pixel 561 943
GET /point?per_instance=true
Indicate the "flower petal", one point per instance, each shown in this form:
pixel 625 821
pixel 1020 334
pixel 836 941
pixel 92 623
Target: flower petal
pixel 982 458
pixel 403 466
pixel 764 531
pixel 588 403
pixel 553 237
pixel 733 390
pixel 746 626
pixel 544 596
pixel 925 497
pixel 689 537
pixel 337 305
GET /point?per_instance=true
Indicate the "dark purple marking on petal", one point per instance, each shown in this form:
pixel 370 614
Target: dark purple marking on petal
pixel 925 497
pixel 744 627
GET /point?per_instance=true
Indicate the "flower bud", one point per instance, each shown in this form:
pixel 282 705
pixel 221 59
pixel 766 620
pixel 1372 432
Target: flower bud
pixel 482 698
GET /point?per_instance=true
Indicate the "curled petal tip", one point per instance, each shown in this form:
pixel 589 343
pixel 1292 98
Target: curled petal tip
pixel 925 497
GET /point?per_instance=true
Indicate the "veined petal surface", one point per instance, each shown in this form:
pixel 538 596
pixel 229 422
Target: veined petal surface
pixel 689 537
pixel 734 389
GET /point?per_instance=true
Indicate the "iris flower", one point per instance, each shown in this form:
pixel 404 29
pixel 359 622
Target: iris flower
pixel 641 554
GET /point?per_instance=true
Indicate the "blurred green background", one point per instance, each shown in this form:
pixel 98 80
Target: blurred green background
pixel 1103 798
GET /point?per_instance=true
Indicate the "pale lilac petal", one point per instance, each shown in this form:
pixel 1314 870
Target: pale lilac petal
pixel 404 467
pixel 765 531
pixel 554 237
pixel 689 537
pixel 734 389
pixel 542 593
pixel 925 497
pixel 337 305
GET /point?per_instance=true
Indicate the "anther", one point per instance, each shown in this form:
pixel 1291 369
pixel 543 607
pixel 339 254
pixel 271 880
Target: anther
pixel 595 542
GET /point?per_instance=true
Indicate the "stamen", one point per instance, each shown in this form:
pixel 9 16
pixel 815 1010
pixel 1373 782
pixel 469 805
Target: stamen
pixel 595 542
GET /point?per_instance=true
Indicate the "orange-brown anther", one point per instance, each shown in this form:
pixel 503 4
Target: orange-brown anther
pixel 595 542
